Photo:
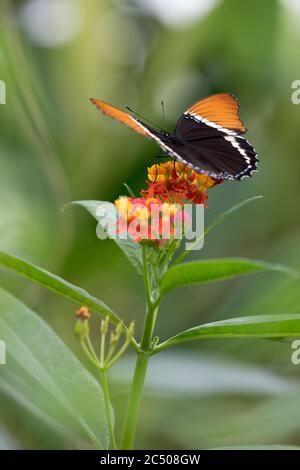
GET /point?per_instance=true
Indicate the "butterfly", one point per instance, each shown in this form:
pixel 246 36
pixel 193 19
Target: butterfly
pixel 208 137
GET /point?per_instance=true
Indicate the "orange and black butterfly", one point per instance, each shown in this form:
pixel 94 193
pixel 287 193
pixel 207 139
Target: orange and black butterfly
pixel 208 137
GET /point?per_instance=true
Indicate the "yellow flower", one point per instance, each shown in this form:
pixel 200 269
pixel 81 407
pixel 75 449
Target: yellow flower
pixel 176 182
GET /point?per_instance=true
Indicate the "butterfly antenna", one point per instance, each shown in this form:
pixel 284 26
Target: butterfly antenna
pixel 142 117
pixel 163 110
pixel 163 118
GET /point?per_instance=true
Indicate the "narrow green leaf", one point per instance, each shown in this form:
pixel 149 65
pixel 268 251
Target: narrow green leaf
pixel 199 272
pixel 42 363
pixel 104 211
pixel 60 286
pixel 216 222
pixel 55 283
pixel 259 326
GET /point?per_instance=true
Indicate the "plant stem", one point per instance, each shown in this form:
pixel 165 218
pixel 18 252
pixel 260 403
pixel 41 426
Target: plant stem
pixel 108 363
pixel 90 355
pixel 91 349
pixel 146 276
pixel 137 386
pixel 102 349
pixel 134 401
pixel 113 443
pixel 138 381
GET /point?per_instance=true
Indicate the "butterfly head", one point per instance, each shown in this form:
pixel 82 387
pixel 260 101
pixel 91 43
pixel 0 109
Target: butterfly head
pixel 165 133
pixel 167 137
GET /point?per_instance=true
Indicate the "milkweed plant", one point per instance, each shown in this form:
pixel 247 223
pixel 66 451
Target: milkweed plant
pixel 152 230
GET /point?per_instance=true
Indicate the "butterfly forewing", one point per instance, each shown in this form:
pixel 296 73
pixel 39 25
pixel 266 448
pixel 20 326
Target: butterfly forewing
pixel 220 111
pixel 122 117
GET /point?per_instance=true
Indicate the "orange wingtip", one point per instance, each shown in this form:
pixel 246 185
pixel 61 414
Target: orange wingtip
pixel 121 116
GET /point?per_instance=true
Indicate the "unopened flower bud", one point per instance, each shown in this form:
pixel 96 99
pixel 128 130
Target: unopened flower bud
pixel 130 331
pixel 115 335
pixel 104 326
pixel 119 329
pixel 83 313
pixel 113 338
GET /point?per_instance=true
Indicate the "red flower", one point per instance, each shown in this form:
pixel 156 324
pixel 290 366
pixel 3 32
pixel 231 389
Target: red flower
pixel 177 183
pixel 158 215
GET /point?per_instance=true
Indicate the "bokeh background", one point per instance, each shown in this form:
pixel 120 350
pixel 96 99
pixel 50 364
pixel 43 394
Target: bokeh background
pixel 55 147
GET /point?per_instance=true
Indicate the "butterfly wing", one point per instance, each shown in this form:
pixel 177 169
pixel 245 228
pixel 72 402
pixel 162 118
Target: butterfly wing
pixel 163 140
pixel 210 134
pixel 220 111
pixel 125 118
pixel 221 157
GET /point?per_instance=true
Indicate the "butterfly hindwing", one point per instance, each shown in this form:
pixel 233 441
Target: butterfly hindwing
pixel 221 157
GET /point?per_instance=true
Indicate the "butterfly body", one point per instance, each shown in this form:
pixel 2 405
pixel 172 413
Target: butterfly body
pixel 208 137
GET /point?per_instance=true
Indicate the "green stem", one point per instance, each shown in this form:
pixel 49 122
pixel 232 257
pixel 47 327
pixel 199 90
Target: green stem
pixel 148 329
pixel 137 386
pixel 102 349
pixel 91 349
pixel 146 276
pixel 90 355
pixel 120 353
pixel 134 401
pixel 113 443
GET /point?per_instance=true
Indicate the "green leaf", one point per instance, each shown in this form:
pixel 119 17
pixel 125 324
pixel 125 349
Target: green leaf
pixel 254 326
pixel 33 398
pixel 199 272
pixel 216 222
pixel 130 249
pixel 55 283
pixel 60 286
pixel 40 365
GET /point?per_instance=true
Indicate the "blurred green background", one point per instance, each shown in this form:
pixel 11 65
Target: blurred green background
pixel 55 147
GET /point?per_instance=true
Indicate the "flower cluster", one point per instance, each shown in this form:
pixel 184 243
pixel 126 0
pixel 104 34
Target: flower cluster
pixel 175 182
pixel 150 218
pixel 159 215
